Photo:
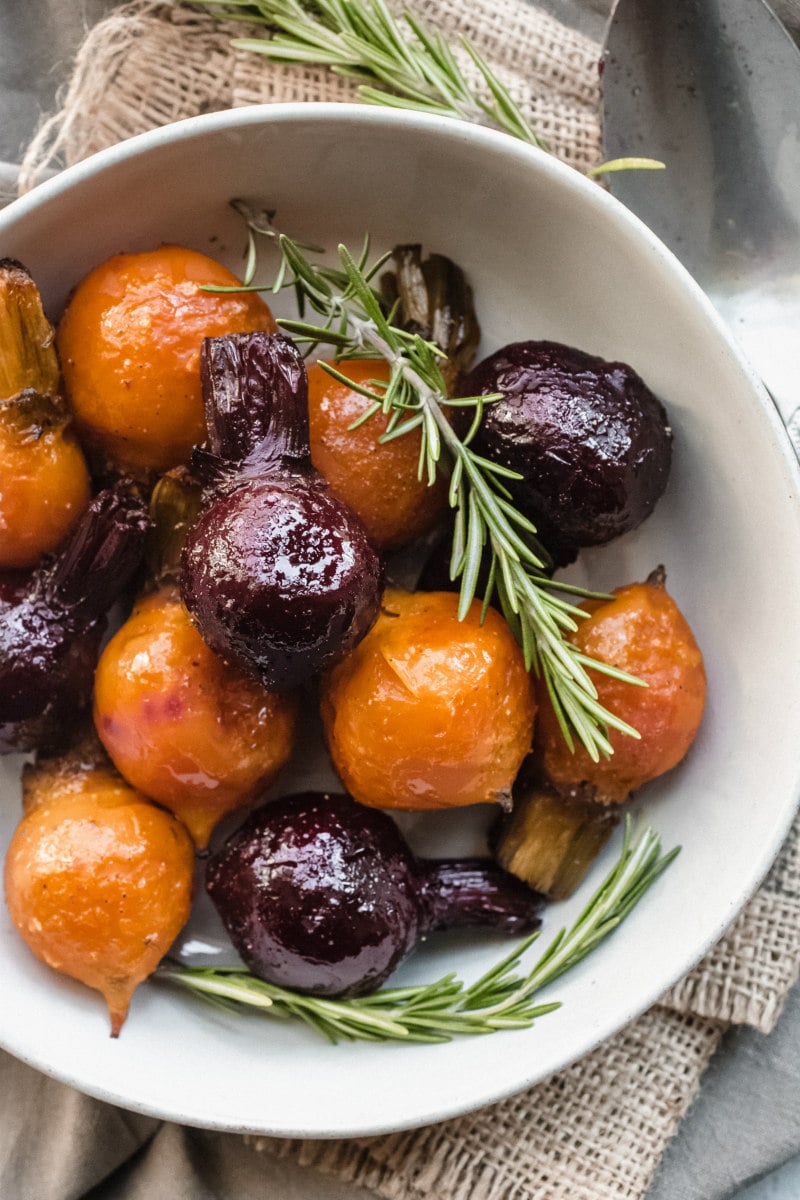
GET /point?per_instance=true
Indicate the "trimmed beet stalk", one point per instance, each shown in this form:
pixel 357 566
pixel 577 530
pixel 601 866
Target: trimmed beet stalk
pixel 255 393
pixel 461 893
pixel 324 896
pixel 52 621
pixel 277 572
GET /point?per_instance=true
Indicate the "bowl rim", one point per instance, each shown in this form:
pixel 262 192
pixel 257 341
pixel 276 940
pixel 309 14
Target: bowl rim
pixel 342 114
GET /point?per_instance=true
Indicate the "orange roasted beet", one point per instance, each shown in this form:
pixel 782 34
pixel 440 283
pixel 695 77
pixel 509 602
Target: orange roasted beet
pixel 44 481
pixel 378 480
pixel 181 724
pixel 98 883
pixel 129 343
pixel 641 631
pixel 429 711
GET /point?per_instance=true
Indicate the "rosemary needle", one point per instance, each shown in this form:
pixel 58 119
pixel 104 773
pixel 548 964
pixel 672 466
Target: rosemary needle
pixel 437 1012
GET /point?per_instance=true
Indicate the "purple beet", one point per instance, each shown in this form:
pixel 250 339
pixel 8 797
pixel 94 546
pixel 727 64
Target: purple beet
pixel 588 437
pixel 52 620
pixel 277 573
pixel 323 895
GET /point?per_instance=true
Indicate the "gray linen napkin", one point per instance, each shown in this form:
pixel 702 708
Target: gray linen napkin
pixel 745 1121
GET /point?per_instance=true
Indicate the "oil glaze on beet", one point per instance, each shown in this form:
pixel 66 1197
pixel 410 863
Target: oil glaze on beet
pixel 322 895
pixel 277 573
pixel 588 437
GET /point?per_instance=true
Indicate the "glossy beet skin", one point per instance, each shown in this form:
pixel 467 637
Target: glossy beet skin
pixel 324 896
pixel 277 573
pixel 589 438
pixel 52 620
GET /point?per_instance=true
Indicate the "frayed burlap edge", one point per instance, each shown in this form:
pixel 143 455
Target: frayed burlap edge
pixel 145 65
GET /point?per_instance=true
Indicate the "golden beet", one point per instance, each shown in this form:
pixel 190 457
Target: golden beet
pixel 378 480
pixel 129 344
pixel 44 481
pixel 641 631
pixel 181 724
pixel 98 883
pixel 429 711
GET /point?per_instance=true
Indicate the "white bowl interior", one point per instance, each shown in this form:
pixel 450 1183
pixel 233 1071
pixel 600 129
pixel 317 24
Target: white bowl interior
pixel 549 255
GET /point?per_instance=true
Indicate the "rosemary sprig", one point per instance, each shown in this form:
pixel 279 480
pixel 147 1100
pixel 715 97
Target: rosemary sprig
pixel 412 66
pixel 440 1011
pixel 488 528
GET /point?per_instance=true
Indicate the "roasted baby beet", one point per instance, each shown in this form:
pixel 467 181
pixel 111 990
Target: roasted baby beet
pixel 192 731
pixel 44 481
pixel 277 572
pixel 323 896
pixel 130 342
pixel 430 711
pixel 52 620
pixel 588 437
pixel 643 632
pixel 98 880
pixel 566 804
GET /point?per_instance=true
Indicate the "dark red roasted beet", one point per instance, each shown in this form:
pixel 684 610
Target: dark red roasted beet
pixel 588 436
pixel 277 573
pixel 52 620
pixel 323 895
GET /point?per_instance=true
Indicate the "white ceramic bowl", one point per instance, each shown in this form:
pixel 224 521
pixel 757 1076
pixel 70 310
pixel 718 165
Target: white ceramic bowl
pixel 550 255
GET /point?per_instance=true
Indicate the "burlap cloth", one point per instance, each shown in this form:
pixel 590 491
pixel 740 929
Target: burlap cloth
pixel 599 1128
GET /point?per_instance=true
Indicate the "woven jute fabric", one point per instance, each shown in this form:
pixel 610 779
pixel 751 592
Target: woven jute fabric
pixel 596 1130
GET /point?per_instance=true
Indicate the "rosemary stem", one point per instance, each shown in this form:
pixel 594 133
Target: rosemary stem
pixel 600 916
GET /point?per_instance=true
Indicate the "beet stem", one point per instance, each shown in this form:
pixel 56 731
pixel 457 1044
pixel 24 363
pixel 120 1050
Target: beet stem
pixel 474 892
pixel 255 391
pixel 99 555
